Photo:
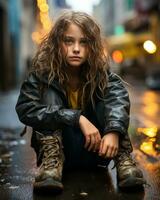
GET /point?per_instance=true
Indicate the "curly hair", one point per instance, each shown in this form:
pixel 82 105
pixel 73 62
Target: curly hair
pixel 49 59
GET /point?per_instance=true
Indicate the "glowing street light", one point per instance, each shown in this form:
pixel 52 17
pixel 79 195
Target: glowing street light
pixel 150 46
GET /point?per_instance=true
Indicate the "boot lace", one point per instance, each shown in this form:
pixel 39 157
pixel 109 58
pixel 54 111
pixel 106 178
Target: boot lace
pixel 51 152
pixel 124 159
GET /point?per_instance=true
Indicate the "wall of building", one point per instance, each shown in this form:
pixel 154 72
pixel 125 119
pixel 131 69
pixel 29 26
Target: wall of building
pixel 111 13
pixel 16 22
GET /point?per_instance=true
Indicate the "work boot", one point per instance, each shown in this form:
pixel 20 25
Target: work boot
pixel 50 171
pixel 128 175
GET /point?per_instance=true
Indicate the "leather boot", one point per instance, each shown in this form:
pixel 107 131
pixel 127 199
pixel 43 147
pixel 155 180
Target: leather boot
pixel 128 174
pixel 50 171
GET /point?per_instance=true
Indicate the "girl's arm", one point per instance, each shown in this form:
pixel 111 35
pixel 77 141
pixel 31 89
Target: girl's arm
pixel 116 106
pixel 41 116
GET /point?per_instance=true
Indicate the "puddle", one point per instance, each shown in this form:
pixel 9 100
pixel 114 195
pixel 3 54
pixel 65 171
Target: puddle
pixel 147 140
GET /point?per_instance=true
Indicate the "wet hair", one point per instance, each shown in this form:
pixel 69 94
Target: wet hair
pixel 49 58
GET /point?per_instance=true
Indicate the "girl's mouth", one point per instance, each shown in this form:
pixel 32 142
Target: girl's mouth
pixel 75 58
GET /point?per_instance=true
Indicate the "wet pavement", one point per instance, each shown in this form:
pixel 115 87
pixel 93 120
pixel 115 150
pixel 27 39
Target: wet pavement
pixel 18 165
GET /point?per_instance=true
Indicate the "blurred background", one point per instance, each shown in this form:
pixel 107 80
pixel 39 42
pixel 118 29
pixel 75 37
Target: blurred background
pixel 131 30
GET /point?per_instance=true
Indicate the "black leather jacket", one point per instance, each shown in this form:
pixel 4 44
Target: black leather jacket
pixel 51 111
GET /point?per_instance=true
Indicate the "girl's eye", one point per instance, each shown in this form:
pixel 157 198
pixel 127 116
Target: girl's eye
pixel 68 41
pixel 84 42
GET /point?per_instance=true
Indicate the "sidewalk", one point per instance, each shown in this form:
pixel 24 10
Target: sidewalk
pixel 8 116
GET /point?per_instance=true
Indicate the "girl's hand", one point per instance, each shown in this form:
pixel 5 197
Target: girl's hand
pixel 91 133
pixel 109 145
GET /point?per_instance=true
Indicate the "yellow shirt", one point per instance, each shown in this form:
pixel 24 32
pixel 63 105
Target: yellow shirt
pixel 73 98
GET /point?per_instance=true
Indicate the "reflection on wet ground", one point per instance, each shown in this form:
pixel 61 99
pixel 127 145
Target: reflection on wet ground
pixel 146 142
pixel 17 170
pixel 14 170
pixel 145 136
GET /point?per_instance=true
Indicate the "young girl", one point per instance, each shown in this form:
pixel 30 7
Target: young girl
pixel 78 109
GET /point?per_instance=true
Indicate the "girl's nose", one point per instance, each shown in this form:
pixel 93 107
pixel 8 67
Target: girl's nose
pixel 76 48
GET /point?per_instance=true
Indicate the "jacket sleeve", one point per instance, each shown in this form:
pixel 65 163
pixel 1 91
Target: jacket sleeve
pixel 32 112
pixel 116 106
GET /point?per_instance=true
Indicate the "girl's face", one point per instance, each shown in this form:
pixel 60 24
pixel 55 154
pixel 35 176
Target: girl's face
pixel 74 46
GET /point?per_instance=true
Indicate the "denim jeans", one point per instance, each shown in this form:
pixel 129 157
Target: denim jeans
pixel 76 156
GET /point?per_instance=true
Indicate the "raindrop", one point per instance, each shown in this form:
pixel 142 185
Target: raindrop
pixel 8 184
pixel 13 143
pixel 13 187
pixel 83 194
pixel 22 142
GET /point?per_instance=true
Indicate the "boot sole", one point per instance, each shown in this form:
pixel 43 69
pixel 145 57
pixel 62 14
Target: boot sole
pixel 131 182
pixel 48 185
